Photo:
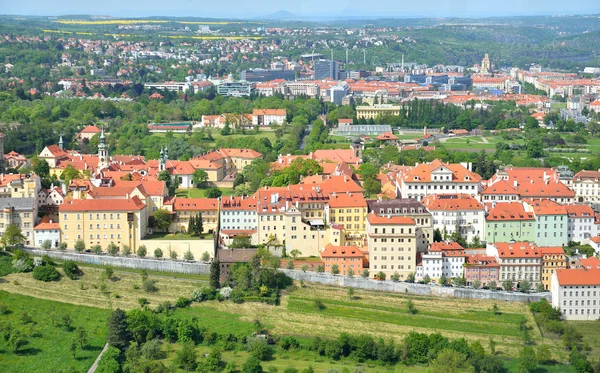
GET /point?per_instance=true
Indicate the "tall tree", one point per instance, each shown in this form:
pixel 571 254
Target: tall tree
pixel 118 333
pixel 215 274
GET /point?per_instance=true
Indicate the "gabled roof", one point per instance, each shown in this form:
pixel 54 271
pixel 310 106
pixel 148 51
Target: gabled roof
pixel 422 173
pixel 546 207
pixel 47 224
pixel 518 250
pixel 589 263
pixel 354 200
pixel 240 153
pixel 549 250
pixel 501 187
pixel 56 151
pixel 580 211
pixel 90 129
pixel 280 112
pixel 336 156
pixel 480 260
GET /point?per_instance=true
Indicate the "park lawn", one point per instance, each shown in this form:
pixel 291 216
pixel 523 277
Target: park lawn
pixel 591 334
pixel 48 344
pixel 200 192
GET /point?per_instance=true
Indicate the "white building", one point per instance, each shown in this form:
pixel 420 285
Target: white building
pixel 518 261
pixel 586 185
pixel 582 224
pixel 457 210
pixel 437 178
pixel 238 217
pixel 443 258
pixel 266 117
pixel 576 292
pixel 46 229
pixel 170 86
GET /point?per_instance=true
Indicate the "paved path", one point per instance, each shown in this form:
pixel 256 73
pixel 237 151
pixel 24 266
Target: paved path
pixel 95 365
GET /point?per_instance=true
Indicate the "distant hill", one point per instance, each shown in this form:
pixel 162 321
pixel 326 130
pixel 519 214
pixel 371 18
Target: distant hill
pixel 283 15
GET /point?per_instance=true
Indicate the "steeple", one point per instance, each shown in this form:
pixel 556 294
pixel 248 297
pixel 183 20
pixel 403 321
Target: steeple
pixel 102 152
pixel 161 161
pixel 61 144
pixel 166 153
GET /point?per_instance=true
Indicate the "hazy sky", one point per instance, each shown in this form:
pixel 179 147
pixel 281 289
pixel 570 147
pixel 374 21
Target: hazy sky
pixel 253 8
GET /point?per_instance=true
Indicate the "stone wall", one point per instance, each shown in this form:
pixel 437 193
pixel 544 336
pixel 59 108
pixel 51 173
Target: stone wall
pixel 197 247
pixel 417 289
pixel 165 265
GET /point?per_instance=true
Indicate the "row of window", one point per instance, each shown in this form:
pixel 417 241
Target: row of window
pixel 91 216
pixel 392 258
pixel 393 230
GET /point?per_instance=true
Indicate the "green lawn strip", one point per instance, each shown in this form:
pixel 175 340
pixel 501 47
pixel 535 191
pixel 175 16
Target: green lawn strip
pixel 216 320
pixel 188 276
pixel 487 316
pixel 48 345
pixel 418 320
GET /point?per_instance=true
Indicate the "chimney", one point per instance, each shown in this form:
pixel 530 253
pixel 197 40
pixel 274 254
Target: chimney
pixel 515 183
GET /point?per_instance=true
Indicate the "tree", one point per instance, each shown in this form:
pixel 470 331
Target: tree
pixel 320 268
pixel 543 354
pixel 40 167
pixel 169 181
pixel 15 339
pixel 295 253
pixel 476 284
pixel 240 242
pixel 125 250
pixel 535 148
pixel 96 249
pixel 381 276
pixel 372 186
pixel 205 257
pixel 158 253
pixel 226 130
pixel 142 251
pixel 73 348
pixel 112 249
pixel 198 177
pixel 426 279
pixel 350 293
pixel 118 333
pixel 527 360
pixel 186 357
pixel 62 246
pixel 46 245
pixel 395 277
pixel 162 220
pixel 79 245
pixel 13 238
pixel 350 272
pixel 531 124
pixel 82 337
pixel 507 285
pixel 188 255
pixel 450 361
pixel 215 274
pixel 525 286
pixel 443 280
pixel 252 365
pixel 71 269
pixel 290 265
pixel 492 285
pixel 213 193
pixel 46 273
pixel 335 269
pixel 365 273
pixel 437 235
pixel 410 278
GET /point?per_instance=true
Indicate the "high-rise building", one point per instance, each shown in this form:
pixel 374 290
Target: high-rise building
pixel 262 75
pixel 326 69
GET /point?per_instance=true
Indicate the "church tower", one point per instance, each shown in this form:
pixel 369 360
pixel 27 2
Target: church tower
pixel 61 143
pixel 102 152
pixel 162 165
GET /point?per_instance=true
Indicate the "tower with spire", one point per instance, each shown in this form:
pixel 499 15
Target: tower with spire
pixel 61 144
pixel 102 152
pixel 162 165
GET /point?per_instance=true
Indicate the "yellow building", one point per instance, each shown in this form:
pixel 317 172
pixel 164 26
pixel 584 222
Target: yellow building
pixel 392 244
pixel 19 186
pixel 372 112
pixel 185 208
pixel 349 211
pixel 101 222
pixel 553 258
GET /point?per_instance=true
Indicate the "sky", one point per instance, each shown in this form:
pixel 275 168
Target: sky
pixel 257 8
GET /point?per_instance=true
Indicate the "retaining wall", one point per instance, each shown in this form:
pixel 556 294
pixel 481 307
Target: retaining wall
pixel 417 289
pixel 166 265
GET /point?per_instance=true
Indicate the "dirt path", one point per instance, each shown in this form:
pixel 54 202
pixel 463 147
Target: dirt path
pixel 95 365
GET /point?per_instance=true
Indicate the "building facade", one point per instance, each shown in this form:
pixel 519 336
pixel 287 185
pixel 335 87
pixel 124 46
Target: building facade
pixel 576 292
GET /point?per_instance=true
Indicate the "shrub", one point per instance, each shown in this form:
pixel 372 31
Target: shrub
pixel 395 277
pixel 203 293
pixel 79 245
pixel 142 251
pixel 335 269
pixel 97 249
pixel 158 253
pixel 62 246
pixel 319 305
pixel 320 268
pixel 259 348
pixel 411 307
pixel 45 273
pixel 149 286
pixel 205 256
pixel 71 270
pixel 112 249
pixel 289 342
pixel 188 255
pixel 182 302
pixel 225 292
pixel 37 261
pixel 350 272
pixel 22 265
pixel 151 350
pixel 126 250
pixel 108 273
pixel 46 245
pixel 290 264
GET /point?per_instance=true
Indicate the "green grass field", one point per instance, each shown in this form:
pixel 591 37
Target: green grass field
pixel 200 193
pixel 48 344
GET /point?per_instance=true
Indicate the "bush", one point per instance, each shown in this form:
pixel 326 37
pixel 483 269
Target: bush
pixel 204 293
pixel 62 246
pixel 319 305
pixel 79 246
pixel 126 250
pixel 97 249
pixel 71 270
pixel 112 249
pixel 149 286
pixel 109 363
pixel 182 302
pixel 289 342
pixel 142 251
pixel 158 253
pixel 151 350
pixel 259 348
pixel 46 273
pixel 22 265
pixel 225 292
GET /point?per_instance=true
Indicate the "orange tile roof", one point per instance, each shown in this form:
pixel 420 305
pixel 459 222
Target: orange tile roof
pixel 90 129
pixel 508 211
pixel 584 174
pixel 499 187
pixel 591 262
pixel 595 239
pixel 195 204
pixel 375 219
pixel 205 164
pixel 328 185
pixel 480 260
pixel 280 112
pixel 386 136
pixel 84 205
pixel 336 155
pixel 546 207
pixel 338 200
pixel 447 202
pixel 518 250
pixel 152 187
pixel 579 211
pixel 239 203
pixel 549 250
pixel 241 153
pixel 578 277
pixel 442 246
pixel 56 151
pixel 331 251
pixel 422 172
pixel 47 224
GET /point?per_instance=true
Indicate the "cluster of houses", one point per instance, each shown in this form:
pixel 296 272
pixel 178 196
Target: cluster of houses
pixel 513 226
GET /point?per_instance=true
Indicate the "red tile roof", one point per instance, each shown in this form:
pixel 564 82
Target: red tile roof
pixel 336 156
pixel 375 219
pixel 509 211
pixel 347 200
pixel 480 260
pixel 422 173
pixel 331 251
pixel 90 129
pixel 84 205
pixel 546 207
pixel 501 187
pixel 518 250
pixel 47 224
pixel 451 202
pixel 280 112
pixel 578 277
pixel 591 262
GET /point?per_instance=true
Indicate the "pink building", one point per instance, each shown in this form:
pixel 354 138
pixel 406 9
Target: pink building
pixel 483 268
